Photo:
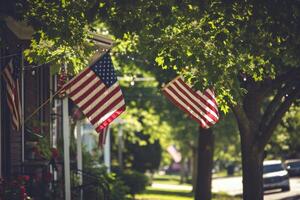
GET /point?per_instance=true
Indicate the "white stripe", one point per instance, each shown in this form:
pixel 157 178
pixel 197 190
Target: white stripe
pixel 80 82
pixel 91 95
pixel 209 101
pixel 111 112
pixel 200 112
pixel 211 93
pixel 8 78
pixel 13 104
pixel 86 87
pixel 75 77
pixel 200 103
pixel 197 99
pixel 106 104
pixel 13 116
pixel 100 98
pixel 185 106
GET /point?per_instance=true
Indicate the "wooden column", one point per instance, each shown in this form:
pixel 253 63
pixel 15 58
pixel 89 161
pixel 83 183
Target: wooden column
pixel 79 153
pixel 66 138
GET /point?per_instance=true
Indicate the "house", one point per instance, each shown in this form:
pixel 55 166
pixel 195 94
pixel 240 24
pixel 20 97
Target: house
pixel 18 155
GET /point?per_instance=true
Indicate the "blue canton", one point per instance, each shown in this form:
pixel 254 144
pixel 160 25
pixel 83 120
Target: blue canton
pixel 104 69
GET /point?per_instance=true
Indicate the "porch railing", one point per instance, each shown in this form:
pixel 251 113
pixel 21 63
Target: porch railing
pixel 43 187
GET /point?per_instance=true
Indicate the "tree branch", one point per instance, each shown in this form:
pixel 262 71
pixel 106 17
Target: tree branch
pixel 240 116
pixel 271 84
pixel 270 127
pixel 271 108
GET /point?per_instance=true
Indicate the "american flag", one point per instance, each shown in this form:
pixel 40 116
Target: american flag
pixel 97 93
pixel 11 75
pixel 174 153
pixel 202 107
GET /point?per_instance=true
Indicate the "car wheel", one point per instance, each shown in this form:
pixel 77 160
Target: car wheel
pixel 287 188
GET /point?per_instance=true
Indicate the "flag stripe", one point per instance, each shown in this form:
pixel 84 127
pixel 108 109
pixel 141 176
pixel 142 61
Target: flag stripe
pixel 191 107
pixel 108 121
pixel 13 100
pixel 113 116
pixel 90 99
pixel 197 95
pixel 209 100
pixel 181 105
pixel 106 110
pixel 89 93
pixel 77 78
pixel 201 107
pixel 84 82
pixel 92 81
pixel 95 107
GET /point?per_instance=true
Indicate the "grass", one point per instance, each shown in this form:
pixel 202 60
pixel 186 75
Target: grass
pixel 152 193
pixel 162 194
pixel 168 179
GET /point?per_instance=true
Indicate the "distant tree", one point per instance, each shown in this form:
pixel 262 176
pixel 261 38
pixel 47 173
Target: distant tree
pixel 285 143
pixel 145 157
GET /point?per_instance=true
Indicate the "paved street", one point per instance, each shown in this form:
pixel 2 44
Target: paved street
pixel 233 186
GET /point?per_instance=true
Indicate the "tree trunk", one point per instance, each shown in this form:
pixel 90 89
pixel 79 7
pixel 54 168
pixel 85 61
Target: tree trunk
pixel 194 167
pixel 252 169
pixel 204 165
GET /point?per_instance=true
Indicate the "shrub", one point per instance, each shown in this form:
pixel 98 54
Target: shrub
pixel 136 181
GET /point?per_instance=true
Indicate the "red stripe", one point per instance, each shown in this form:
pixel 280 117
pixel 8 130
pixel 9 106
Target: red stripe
pixel 13 105
pixel 104 100
pixel 212 98
pixel 111 118
pixel 8 78
pixel 87 92
pixel 13 100
pixel 107 109
pixel 12 109
pixel 192 100
pixel 92 99
pixel 181 107
pixel 197 95
pixel 205 93
pixel 77 78
pixel 188 104
pixel 82 85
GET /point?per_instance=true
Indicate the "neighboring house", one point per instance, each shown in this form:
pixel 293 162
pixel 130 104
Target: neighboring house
pixel 36 90
pixel 16 147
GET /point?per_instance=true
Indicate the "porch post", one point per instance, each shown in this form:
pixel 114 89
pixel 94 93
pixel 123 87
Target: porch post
pixel 107 150
pixel 66 138
pixel 22 108
pixel 120 146
pixel 79 153
pixel 0 120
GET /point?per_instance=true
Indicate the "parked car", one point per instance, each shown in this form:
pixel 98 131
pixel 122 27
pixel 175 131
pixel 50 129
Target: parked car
pixel 293 167
pixel 275 176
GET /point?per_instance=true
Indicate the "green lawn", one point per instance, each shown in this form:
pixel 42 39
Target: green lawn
pixel 152 193
pixel 162 194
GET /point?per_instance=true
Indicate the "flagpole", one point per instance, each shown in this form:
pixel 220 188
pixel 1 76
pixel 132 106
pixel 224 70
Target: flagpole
pixel 171 82
pixel 106 156
pixel 78 131
pixel 42 105
pixel 1 118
